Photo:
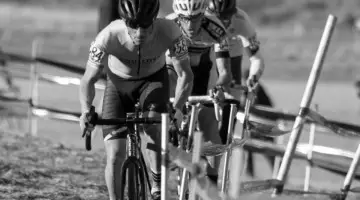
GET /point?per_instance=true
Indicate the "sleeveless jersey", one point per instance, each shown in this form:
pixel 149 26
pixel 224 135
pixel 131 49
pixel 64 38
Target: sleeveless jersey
pixel 241 32
pixel 114 47
pixel 212 34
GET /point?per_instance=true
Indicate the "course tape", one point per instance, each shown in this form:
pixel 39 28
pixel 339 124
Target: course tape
pixel 19 107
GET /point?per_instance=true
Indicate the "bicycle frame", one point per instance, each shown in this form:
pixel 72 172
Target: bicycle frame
pixel 134 165
pixel 195 101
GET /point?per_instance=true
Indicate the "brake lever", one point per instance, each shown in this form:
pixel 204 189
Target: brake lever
pixel 91 118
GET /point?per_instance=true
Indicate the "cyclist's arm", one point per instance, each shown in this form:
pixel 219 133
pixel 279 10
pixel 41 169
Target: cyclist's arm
pixel 92 73
pixel 181 62
pixel 257 64
pixel 223 64
pixel 248 36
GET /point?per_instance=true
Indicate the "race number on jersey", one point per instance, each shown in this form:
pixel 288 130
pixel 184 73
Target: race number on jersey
pixel 215 30
pixel 96 54
pixel 180 48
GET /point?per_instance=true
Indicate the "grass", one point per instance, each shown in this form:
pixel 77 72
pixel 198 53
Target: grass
pixel 48 169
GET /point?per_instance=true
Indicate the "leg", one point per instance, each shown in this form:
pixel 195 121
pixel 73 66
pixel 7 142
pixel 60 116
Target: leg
pixel 172 79
pixel 236 63
pixel 154 97
pixel 209 127
pixel 114 146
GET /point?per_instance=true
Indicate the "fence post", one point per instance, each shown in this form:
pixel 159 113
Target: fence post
pixel 279 141
pixel 34 90
pixel 235 173
pixel 230 136
pixel 164 155
pixel 310 164
pixel 351 173
pixel 305 102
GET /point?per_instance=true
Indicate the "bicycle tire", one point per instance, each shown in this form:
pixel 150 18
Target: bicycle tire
pixel 142 183
pixel 88 142
pixel 133 176
pixel 146 173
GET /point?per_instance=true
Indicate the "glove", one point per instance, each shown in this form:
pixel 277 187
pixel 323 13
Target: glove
pixel 251 82
pixel 84 122
pixel 218 94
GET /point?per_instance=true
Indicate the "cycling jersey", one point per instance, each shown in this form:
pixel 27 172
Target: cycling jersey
pixel 212 34
pixel 241 32
pixel 114 47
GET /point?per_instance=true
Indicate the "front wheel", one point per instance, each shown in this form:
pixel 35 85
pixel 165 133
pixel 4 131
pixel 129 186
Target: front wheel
pixel 133 177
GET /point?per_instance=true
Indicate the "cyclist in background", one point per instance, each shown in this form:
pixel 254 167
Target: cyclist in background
pixel 204 32
pixel 263 99
pixel 242 36
pixel 132 49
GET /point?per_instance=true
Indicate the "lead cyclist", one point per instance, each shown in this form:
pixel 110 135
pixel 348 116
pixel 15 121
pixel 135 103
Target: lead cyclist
pixel 204 33
pixel 132 51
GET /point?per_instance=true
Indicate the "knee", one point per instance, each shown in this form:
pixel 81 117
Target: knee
pixel 114 158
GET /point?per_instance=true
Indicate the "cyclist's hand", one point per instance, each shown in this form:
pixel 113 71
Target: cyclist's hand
pixel 84 122
pixel 217 94
pixel 251 82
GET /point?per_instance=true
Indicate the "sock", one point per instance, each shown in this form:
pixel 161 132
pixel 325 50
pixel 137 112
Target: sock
pixel 156 182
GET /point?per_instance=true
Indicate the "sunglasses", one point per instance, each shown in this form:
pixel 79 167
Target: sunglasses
pixel 135 25
pixel 191 17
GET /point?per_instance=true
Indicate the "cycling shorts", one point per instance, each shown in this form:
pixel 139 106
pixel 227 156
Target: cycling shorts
pixel 121 95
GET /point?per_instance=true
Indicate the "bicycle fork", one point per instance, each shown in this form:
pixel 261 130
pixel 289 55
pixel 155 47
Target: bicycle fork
pixel 134 172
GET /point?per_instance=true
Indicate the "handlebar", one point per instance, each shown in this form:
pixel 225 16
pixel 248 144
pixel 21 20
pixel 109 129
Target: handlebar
pixel 94 119
pixel 206 99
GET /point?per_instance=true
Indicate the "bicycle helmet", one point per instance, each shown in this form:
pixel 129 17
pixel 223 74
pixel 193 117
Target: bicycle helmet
pixel 222 8
pixel 190 7
pixel 139 13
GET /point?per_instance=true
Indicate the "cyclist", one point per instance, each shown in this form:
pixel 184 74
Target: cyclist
pixel 138 36
pixel 204 32
pixel 242 35
pixel 262 98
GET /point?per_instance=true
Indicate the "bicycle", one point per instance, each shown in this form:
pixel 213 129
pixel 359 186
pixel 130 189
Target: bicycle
pixel 185 140
pixel 134 165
